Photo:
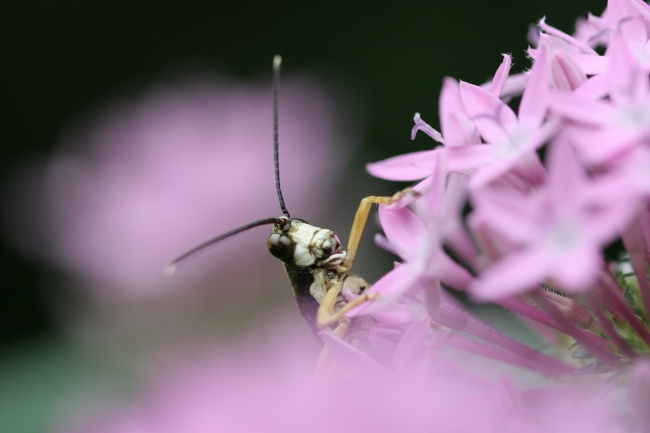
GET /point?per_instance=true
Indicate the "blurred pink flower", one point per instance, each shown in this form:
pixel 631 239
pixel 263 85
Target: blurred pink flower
pixel 271 387
pixel 146 180
pixel 603 129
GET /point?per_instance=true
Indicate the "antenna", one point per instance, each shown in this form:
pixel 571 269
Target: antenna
pixel 171 266
pixel 277 60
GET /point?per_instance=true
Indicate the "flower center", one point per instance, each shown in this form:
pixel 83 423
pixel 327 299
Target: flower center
pixel 563 236
pixel 512 145
pixel 635 116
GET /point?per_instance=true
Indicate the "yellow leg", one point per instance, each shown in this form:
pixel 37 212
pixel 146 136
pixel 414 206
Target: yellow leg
pixel 358 225
pixel 326 315
pixel 333 318
pixel 360 220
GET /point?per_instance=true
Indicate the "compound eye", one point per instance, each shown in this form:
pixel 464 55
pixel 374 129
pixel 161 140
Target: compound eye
pixel 280 246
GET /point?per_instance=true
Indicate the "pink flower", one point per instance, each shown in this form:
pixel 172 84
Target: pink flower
pixel 471 110
pixel 558 231
pixel 272 388
pixel 603 129
pixel 626 16
pixel 512 138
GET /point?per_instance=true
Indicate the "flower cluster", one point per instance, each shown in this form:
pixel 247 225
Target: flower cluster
pixel 535 197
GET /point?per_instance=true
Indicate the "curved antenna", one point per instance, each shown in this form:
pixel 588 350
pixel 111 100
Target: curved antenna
pixel 171 266
pixel 277 60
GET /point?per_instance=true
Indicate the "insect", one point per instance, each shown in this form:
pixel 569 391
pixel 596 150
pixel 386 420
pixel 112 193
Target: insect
pixel 315 262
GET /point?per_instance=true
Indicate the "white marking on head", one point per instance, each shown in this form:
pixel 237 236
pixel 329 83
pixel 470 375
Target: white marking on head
pixel 314 246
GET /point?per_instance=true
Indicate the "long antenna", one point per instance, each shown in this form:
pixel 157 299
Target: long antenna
pixel 277 60
pixel 171 267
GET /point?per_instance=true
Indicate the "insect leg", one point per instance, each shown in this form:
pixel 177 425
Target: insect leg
pixel 326 307
pixel 326 315
pixel 360 220
pixel 327 318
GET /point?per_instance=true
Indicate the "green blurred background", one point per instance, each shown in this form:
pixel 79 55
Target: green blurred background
pixel 63 59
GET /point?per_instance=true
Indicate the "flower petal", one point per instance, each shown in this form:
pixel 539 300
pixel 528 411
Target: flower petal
pixel 492 117
pixel 402 227
pixel 388 289
pixel 516 273
pixel 533 102
pixel 455 124
pixel 500 77
pixel 407 167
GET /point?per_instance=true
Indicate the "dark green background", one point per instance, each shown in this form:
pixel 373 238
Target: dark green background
pixel 61 59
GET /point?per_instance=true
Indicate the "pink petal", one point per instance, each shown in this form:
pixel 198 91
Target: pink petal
pixel 533 102
pixel 350 357
pixel 461 131
pixel 531 167
pixel 407 167
pixel 642 8
pixel 590 64
pixel 512 214
pixel 593 89
pixel 630 25
pixel 619 11
pixel 566 74
pixel 456 127
pixel 627 82
pixel 565 37
pixel 578 271
pixel 582 109
pixel 516 273
pixel 567 177
pixel 388 289
pixel 466 158
pixel 452 274
pixel 514 85
pixel 492 117
pixel 599 146
pixel 398 313
pixel 402 228
pixel 414 348
pixel 500 76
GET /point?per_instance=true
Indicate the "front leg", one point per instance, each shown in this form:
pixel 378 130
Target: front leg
pixel 360 219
